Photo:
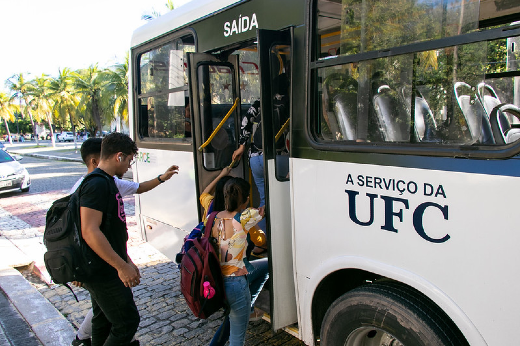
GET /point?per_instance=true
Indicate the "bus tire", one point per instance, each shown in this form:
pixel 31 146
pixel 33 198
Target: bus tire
pixel 387 313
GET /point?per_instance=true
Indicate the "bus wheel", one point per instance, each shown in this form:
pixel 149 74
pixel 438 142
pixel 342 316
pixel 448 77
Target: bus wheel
pixel 387 313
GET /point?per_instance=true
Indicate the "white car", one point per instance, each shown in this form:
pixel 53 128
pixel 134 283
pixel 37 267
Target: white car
pixel 66 137
pixel 13 176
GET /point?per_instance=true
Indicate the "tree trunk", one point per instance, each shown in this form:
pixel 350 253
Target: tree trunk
pixel 8 132
pixel 34 128
pixel 53 141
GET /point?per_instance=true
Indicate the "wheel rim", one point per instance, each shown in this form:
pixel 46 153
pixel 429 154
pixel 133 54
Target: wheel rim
pixel 370 336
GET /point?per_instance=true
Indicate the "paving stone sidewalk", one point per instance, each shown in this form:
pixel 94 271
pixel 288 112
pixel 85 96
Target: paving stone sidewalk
pixel 165 317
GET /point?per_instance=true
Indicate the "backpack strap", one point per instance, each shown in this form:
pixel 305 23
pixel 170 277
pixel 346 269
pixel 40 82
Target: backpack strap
pixel 211 219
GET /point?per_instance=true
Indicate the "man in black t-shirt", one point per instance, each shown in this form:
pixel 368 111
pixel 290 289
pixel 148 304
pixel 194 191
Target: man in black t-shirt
pixel 103 226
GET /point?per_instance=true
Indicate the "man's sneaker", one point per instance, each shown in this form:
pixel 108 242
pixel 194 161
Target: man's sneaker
pixel 78 342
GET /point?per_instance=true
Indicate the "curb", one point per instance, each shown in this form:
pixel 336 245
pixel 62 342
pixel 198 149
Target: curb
pixel 47 323
pixel 51 157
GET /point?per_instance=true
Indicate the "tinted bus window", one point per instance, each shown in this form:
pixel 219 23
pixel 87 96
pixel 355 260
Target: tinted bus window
pixel 163 91
pixel 441 96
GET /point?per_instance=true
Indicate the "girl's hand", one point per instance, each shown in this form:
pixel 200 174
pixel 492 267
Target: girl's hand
pixel 261 211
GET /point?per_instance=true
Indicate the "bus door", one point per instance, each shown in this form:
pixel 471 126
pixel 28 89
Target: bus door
pixel 274 49
pixel 215 95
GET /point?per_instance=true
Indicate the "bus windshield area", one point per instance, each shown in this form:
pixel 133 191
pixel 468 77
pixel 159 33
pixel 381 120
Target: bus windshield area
pixel 462 94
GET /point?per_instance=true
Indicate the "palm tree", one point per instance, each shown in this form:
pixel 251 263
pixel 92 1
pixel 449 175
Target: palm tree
pixel 90 86
pixel 6 112
pixel 118 86
pixel 41 101
pixel 61 92
pixel 20 89
pixel 155 14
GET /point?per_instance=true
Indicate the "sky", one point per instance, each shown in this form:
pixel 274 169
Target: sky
pixel 43 36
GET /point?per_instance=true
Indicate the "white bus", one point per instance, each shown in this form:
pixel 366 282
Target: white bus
pixel 391 214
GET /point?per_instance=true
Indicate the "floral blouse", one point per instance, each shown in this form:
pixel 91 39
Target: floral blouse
pixel 233 250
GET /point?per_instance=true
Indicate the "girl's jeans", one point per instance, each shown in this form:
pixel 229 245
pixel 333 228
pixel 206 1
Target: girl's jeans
pixel 239 299
pixel 258 273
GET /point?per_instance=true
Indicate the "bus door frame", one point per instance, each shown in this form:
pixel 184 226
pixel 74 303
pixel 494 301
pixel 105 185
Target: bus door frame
pixel 278 194
pixel 203 176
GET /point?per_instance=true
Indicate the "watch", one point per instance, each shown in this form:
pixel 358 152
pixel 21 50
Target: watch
pixel 159 178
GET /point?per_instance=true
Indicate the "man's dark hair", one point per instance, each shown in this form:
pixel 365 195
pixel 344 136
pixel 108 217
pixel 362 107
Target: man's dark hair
pixel 91 146
pixel 116 142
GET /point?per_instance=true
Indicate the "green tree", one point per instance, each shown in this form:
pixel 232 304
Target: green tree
pixel 90 85
pixel 21 90
pixel 169 5
pixel 41 102
pixel 61 92
pixel 118 86
pixel 6 112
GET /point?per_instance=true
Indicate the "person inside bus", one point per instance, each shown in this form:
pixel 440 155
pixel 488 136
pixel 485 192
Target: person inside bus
pixel 230 228
pixel 90 154
pixel 252 128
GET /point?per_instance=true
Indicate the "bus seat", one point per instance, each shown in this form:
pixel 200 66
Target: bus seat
pixel 489 99
pixel 345 110
pixel 512 134
pixel 393 120
pixel 424 121
pixel 478 124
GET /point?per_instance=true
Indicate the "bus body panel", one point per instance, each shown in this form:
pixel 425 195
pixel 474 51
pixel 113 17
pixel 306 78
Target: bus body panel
pixel 174 203
pixel 456 230
pixel 281 252
pixel 353 262
pixel 173 20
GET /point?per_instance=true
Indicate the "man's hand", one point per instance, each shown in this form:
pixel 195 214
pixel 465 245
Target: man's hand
pixel 129 275
pixel 170 172
pixel 237 154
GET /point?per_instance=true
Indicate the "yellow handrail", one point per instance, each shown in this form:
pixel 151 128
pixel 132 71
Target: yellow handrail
pixel 219 125
pixel 284 127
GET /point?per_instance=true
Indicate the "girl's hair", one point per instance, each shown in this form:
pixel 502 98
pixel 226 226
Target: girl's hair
pixel 219 202
pixel 236 192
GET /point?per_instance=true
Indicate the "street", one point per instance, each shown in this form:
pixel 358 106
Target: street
pixel 165 317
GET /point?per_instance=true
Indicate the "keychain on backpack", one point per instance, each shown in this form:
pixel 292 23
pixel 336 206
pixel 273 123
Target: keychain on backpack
pixel 209 291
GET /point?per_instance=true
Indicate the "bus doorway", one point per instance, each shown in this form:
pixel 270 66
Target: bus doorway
pixel 215 94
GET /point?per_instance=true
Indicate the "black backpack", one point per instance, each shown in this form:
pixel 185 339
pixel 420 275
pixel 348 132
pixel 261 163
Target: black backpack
pixel 202 283
pixel 68 257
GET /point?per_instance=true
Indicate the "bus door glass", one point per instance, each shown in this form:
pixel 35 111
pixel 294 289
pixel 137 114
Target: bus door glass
pixel 275 74
pixel 214 89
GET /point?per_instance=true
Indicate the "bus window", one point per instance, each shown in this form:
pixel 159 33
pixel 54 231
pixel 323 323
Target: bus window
pixel 347 27
pixel 440 96
pixel 216 85
pixel 163 91
pixel 280 88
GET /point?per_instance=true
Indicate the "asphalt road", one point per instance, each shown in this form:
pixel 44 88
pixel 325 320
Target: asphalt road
pixel 50 175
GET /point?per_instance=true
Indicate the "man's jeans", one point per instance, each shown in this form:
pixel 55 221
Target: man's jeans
pixel 257 170
pixel 116 317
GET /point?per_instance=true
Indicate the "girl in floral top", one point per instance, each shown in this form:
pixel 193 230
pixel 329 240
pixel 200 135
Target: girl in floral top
pixel 230 229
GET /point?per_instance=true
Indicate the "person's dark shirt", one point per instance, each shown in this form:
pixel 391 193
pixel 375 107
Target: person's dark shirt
pixel 99 195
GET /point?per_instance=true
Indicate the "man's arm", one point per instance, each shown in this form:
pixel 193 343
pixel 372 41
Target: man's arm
pixel 153 183
pixel 90 223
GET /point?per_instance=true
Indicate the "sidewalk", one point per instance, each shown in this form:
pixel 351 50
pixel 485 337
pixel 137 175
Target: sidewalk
pixel 62 151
